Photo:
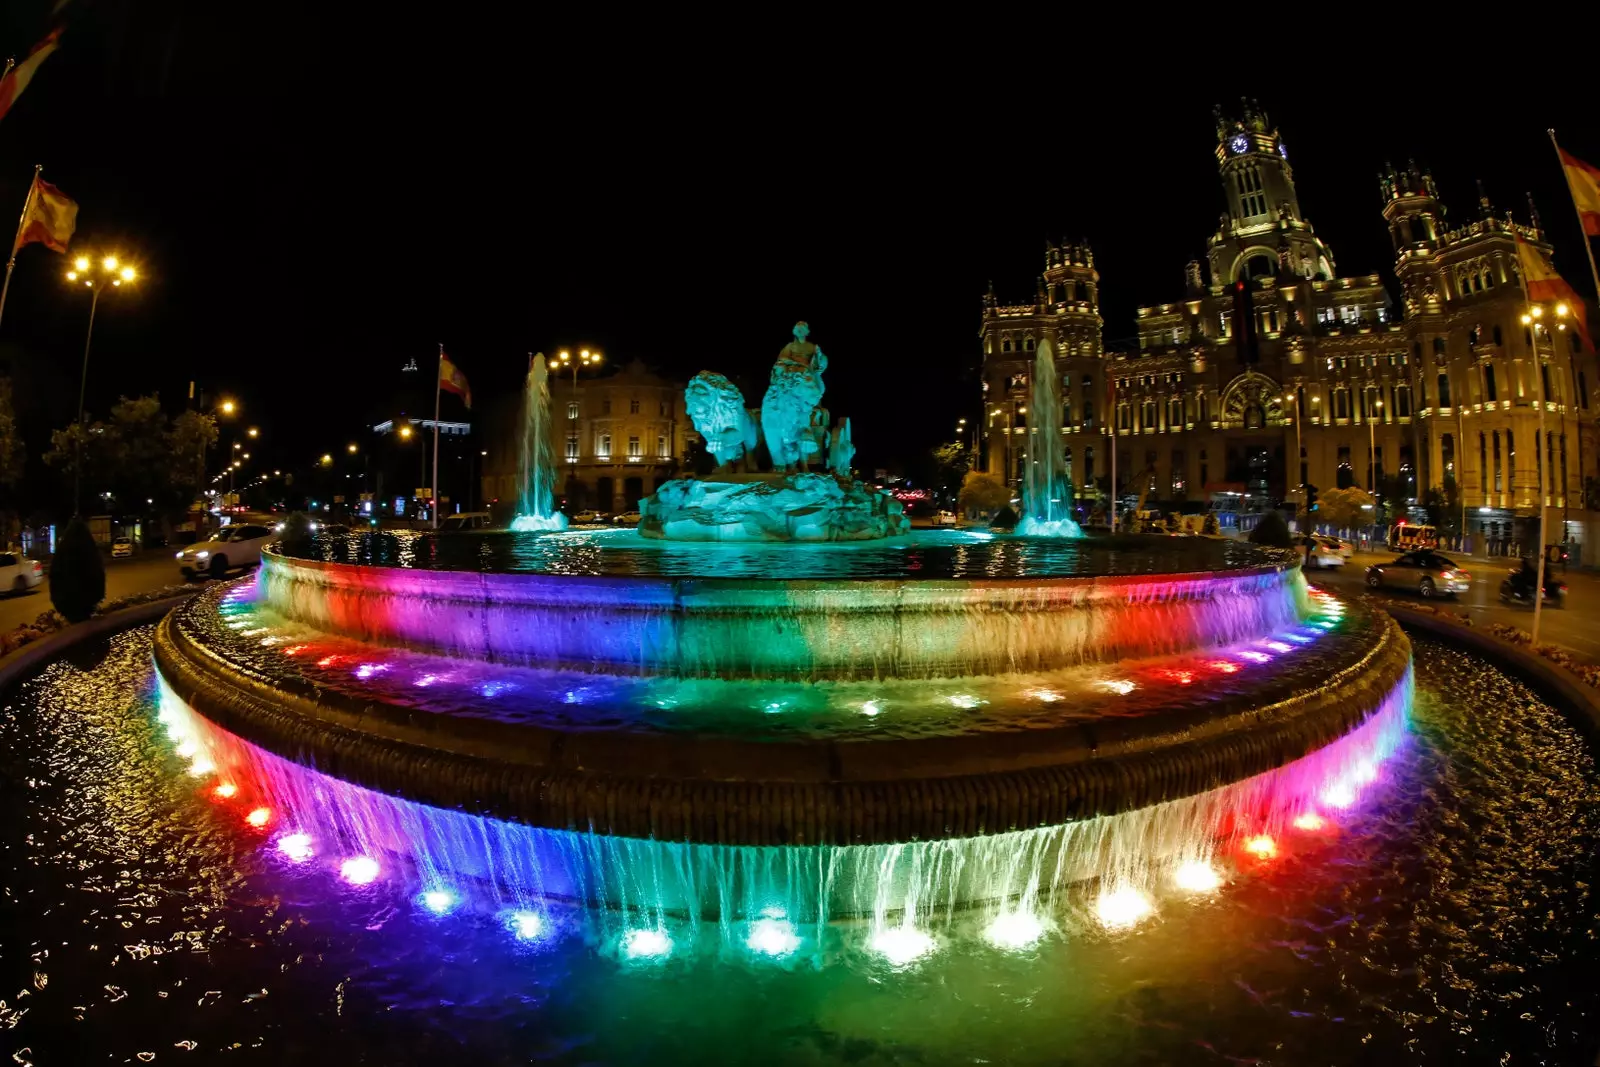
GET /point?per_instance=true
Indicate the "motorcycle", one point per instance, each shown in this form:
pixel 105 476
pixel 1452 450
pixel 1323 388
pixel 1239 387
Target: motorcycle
pixel 1513 591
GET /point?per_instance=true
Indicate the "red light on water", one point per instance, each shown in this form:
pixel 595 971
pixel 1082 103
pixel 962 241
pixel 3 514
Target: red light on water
pixel 225 791
pixel 1309 821
pixel 259 817
pixel 1174 674
pixel 1223 665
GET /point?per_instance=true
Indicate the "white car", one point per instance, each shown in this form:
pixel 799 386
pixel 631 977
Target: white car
pixel 628 518
pixel 944 518
pixel 588 517
pixel 122 548
pixel 1328 551
pixel 230 547
pixel 18 573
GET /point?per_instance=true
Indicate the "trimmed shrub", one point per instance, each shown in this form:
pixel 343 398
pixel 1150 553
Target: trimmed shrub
pixel 77 574
pixel 1272 530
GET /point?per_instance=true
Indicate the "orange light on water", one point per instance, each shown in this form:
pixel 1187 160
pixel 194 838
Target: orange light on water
pixel 226 790
pixel 259 817
pixel 1309 821
pixel 1262 847
pixel 1223 665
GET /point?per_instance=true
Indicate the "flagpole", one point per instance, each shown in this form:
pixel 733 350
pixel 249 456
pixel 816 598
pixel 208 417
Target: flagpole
pixel 1594 273
pixel 27 205
pixel 1538 456
pixel 1111 423
pixel 438 384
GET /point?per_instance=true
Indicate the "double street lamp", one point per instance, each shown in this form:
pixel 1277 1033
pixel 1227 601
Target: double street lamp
pixel 96 275
pixel 585 358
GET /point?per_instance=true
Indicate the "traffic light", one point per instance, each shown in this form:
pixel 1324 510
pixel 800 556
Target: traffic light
pixel 1311 497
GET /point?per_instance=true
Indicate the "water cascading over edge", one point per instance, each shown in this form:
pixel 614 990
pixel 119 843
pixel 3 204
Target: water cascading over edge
pixel 536 457
pixel 1047 482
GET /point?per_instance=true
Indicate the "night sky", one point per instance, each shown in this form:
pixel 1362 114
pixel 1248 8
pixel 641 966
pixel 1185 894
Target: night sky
pixel 313 204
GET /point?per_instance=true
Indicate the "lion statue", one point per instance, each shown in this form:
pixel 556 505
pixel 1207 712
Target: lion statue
pixel 716 407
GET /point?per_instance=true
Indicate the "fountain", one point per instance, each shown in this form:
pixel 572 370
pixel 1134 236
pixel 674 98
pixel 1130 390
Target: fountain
pixel 789 502
pixel 760 738
pixel 1047 483
pixel 536 463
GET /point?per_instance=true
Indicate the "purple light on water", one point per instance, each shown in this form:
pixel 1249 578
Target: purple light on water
pixel 439 901
pixel 494 689
pixel 426 680
pixel 296 846
pixel 359 870
pixel 1255 657
pixel 367 670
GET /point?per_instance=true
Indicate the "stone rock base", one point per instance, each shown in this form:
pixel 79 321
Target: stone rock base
pixel 774 507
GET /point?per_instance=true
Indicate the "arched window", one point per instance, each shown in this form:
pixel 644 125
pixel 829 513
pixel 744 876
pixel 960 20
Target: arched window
pixel 1148 415
pixel 1489 385
pixel 1005 344
pixel 1447 454
pixel 1438 346
pixel 1544 372
pixel 1498 337
pixel 1081 291
pixel 1488 276
pixel 1088 466
pixel 1422 392
pixel 1483 463
pixel 1028 344
pixel 1402 401
pixel 1416 350
pixel 1341 403
pixel 1444 390
pixel 1175 413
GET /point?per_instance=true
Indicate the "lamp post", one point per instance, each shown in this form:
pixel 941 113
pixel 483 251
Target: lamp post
pixel 1530 319
pixel 586 358
pixel 97 276
pixel 1293 397
pixel 1374 413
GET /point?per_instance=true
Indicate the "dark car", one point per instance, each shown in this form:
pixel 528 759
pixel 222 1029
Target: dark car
pixel 1425 572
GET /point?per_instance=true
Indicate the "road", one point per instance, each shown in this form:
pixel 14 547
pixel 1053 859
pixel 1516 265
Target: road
pixel 1575 626
pixel 152 570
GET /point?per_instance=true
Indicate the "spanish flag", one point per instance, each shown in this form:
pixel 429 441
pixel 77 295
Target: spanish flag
pixel 1584 181
pixel 49 219
pixel 451 379
pixel 17 79
pixel 1544 285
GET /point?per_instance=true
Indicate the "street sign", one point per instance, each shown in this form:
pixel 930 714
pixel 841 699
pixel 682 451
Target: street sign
pixel 424 494
pixel 338 499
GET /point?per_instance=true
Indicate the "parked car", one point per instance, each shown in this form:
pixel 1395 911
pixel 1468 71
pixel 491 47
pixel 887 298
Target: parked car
pixel 18 573
pixel 628 518
pixel 466 520
pixel 1426 572
pixel 944 518
pixel 588 517
pixel 1328 551
pixel 1408 537
pixel 122 548
pixel 228 548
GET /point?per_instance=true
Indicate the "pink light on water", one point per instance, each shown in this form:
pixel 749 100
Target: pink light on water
pixel 1262 846
pixel 1255 657
pixel 1277 646
pixel 359 870
pixel 1224 666
pixel 1310 821
pixel 259 817
pixel 296 846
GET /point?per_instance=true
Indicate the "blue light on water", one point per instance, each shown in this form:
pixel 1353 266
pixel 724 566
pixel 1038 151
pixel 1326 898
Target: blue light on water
pixel 439 901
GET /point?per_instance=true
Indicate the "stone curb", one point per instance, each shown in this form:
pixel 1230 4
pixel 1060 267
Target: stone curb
pixel 1577 701
pixel 19 666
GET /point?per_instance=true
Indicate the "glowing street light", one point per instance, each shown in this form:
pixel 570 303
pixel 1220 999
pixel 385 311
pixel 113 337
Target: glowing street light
pixel 108 277
pixel 253 432
pixel 586 358
pixel 405 433
pixel 351 448
pixel 327 460
pixel 229 407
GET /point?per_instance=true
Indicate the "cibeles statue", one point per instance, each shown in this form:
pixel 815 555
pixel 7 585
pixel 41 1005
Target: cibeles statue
pixel 788 411
pixel 809 493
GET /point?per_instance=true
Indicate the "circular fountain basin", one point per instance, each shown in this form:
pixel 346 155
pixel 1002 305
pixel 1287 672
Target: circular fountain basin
pixel 932 607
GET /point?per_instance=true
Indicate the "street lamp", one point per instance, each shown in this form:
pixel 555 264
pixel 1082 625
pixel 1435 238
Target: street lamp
pixel 229 407
pixel 1293 397
pixel 253 432
pixel 586 358
pixel 1372 449
pixel 109 273
pixel 351 448
pixel 405 433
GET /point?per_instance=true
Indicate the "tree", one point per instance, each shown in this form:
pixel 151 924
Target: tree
pixel 190 435
pixel 1272 529
pixel 11 449
pixel 983 492
pixel 1345 508
pixel 951 462
pixel 77 575
pixel 1444 506
pixel 1208 525
pixel 137 454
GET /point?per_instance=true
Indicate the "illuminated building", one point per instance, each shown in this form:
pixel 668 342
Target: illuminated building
pixel 1398 394
pixel 618 438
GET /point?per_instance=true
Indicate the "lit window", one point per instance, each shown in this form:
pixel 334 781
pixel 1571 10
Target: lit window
pixel 635 451
pixel 662 452
pixel 572 448
pixel 633 406
pixel 602 446
pixel 572 410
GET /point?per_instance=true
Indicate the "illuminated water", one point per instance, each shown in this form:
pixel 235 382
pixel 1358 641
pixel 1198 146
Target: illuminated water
pixel 536 464
pixel 1448 915
pixel 1047 481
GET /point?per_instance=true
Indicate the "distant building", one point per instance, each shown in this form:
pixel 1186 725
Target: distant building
pixel 1267 333
pixel 616 439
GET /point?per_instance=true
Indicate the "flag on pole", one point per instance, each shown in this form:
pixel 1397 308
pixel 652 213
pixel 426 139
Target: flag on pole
pixel 1545 285
pixel 452 380
pixel 50 219
pixel 1584 181
pixel 13 83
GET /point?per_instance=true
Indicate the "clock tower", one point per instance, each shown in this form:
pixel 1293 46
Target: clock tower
pixel 1262 233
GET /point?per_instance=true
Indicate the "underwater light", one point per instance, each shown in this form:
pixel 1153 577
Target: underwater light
pixel 1366 771
pixel 1299 639
pixel 367 670
pixel 225 790
pixel 871 708
pixel 1014 930
pixel 901 945
pixel 359 870
pixel 201 767
pixel 426 680
pixel 1309 821
pixel 296 846
pixel 439 901
pixel 647 944
pixel 1261 846
pixel 964 701
pixel 1197 876
pixel 1256 657
pixel 1120 686
pixel 187 749
pixel 772 937
pixel 1225 666
pixel 1049 696
pixel 1339 795
pixel 1277 646
pixel 259 817
pixel 1120 908
pixel 527 925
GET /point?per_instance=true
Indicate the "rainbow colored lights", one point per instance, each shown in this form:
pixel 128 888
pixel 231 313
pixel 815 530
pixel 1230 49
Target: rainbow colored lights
pixel 642 900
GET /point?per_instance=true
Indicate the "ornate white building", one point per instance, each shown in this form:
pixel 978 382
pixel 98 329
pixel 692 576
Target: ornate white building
pixel 1268 335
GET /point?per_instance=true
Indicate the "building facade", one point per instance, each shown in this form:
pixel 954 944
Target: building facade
pixel 616 438
pixel 1274 372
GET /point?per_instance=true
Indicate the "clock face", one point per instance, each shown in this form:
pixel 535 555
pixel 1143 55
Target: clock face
pixel 1283 150
pixel 1239 144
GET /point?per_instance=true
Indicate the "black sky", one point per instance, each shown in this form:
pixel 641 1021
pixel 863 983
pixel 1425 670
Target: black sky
pixel 312 205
